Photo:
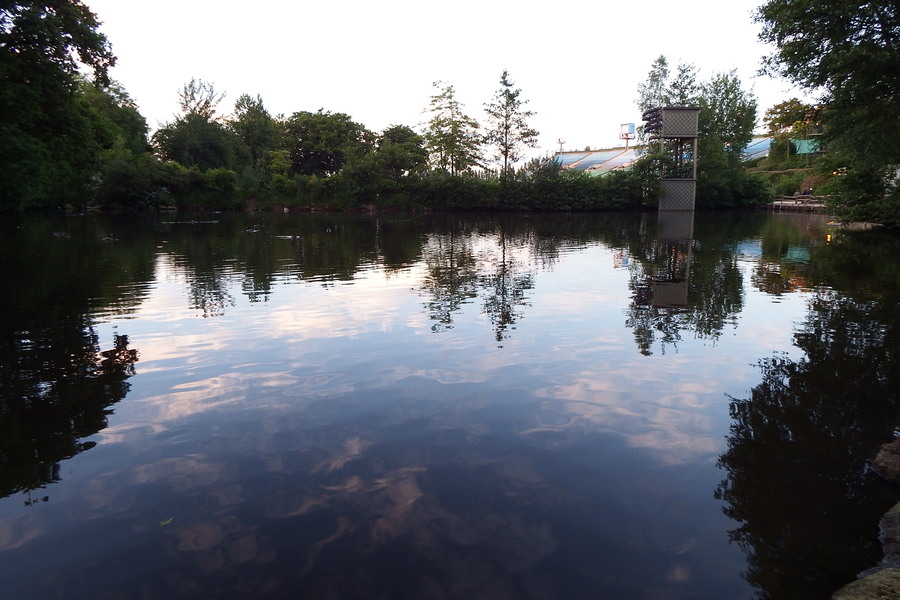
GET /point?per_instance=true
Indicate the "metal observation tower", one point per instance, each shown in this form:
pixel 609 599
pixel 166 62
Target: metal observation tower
pixel 676 129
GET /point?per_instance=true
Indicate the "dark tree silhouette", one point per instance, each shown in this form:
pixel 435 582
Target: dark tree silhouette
pixel 797 477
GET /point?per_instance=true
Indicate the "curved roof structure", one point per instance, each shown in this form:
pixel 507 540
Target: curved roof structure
pixel 598 162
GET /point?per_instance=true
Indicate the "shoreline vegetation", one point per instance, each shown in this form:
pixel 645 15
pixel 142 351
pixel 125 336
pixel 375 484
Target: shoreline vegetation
pixel 70 135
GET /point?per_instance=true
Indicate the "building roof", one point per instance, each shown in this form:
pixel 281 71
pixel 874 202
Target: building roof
pixel 598 162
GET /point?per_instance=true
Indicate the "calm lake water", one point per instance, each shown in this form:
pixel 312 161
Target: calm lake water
pixel 510 407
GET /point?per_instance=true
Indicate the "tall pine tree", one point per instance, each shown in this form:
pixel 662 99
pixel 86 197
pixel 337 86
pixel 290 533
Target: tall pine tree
pixel 451 136
pixel 508 130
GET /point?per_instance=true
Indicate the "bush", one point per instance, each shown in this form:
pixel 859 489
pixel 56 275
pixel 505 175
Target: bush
pixel 193 189
pixel 785 183
pixel 128 180
pixel 220 188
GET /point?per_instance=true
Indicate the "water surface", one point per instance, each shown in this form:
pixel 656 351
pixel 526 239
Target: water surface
pixel 329 406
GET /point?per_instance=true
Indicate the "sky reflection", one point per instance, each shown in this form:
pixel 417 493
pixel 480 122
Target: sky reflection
pixel 309 342
pixel 480 422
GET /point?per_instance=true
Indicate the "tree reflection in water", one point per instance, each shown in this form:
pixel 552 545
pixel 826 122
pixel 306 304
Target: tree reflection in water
pixel 679 285
pixel 465 481
pixel 505 288
pixel 797 478
pixel 459 270
pixel 56 383
pixel 451 277
pixel 59 392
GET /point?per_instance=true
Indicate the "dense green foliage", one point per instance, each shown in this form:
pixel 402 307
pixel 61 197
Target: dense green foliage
pixel 849 54
pixel 48 146
pixel 322 143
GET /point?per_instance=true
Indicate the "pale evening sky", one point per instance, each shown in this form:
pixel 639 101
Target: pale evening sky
pixel 578 64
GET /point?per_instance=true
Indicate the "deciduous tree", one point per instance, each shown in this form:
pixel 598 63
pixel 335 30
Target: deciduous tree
pixel 194 141
pixel 116 116
pixel 47 152
pixel 197 138
pixel 321 142
pixel 401 151
pixel 199 97
pixel 662 88
pixel 784 117
pixel 727 119
pixel 655 91
pixel 388 173
pixel 727 113
pixel 785 121
pixel 257 129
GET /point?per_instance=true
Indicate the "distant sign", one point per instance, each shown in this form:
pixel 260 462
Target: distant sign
pixel 626 132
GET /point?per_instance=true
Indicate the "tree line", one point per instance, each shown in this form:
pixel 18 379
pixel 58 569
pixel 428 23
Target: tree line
pixel 326 158
pixel 71 136
pixel 67 138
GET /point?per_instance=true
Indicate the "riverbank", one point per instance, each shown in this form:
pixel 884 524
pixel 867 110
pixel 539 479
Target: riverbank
pixel 882 582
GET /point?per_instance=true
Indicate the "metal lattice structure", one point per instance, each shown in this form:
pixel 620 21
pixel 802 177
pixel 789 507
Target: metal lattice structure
pixel 680 122
pixel 677 194
pixel 676 128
